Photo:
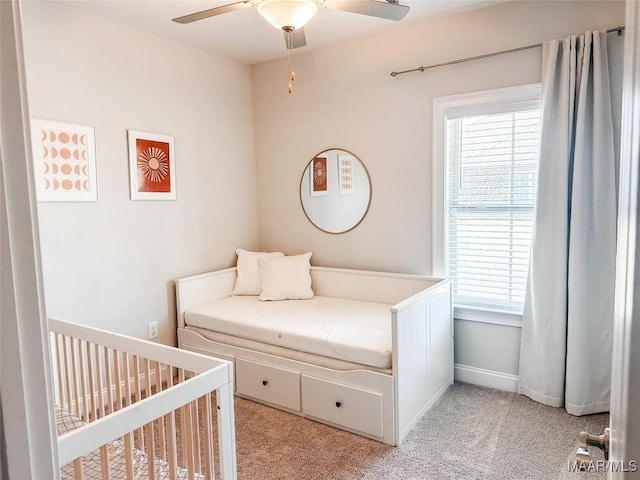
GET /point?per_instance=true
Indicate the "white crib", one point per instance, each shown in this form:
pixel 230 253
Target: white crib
pixel 131 409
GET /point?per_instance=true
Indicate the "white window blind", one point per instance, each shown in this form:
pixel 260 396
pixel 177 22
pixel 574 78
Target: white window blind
pixel 491 163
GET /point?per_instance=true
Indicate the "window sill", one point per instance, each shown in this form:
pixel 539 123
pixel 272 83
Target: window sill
pixel 484 315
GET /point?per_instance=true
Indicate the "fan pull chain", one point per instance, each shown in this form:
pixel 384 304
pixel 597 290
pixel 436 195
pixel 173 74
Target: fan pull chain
pixel 292 75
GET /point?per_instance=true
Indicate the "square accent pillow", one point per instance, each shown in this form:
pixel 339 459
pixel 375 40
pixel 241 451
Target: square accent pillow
pixel 286 278
pixel 248 279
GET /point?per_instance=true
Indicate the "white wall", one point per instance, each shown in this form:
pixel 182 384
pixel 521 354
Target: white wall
pixel 111 263
pixel 345 97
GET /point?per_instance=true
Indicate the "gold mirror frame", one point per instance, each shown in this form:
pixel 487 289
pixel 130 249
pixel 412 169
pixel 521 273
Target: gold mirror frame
pixel 332 194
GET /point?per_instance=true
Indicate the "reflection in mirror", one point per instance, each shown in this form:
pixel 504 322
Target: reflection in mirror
pixel 335 191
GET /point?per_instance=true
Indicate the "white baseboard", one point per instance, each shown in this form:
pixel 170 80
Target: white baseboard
pixel 486 378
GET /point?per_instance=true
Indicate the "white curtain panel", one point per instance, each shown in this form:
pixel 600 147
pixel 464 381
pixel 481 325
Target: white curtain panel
pixel 565 357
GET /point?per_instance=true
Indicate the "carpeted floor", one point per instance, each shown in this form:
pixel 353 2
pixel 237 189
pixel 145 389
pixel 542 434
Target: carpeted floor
pixel 471 433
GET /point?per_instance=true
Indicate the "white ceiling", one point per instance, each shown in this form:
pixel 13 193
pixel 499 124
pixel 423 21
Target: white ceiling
pixel 245 36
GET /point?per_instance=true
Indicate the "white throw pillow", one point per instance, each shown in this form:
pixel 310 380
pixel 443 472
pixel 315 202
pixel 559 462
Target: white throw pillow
pixel 248 279
pixel 286 278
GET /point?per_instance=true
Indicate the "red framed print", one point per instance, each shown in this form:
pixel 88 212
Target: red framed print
pixel 152 172
pixel 319 179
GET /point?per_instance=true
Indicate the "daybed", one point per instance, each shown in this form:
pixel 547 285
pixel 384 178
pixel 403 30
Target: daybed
pixel 131 409
pixel 369 353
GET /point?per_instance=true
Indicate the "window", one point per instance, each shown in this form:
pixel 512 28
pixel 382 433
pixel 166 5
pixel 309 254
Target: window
pixel 486 156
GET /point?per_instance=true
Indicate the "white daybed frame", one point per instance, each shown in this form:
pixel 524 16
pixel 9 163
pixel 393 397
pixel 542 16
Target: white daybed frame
pixel 109 385
pixel 381 406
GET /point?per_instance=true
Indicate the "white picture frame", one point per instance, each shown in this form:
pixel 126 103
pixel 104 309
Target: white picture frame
pixel 152 166
pixel 345 174
pixel 64 161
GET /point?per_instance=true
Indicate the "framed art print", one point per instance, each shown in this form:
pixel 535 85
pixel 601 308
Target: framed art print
pixel 345 169
pixel 152 172
pixel 64 161
pixel 319 177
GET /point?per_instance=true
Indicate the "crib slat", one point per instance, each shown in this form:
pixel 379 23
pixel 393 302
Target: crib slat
pixel 84 392
pixel 138 397
pixel 108 379
pixel 172 451
pixel 189 433
pixel 128 457
pixel 135 367
pixel 196 437
pixel 160 423
pixel 126 361
pixel 60 367
pixel 67 373
pixel 148 384
pixel 151 466
pixel 91 368
pixel 172 438
pixel 184 447
pixel 74 372
pixel 146 390
pixel 183 425
pixel 148 380
pixel 117 373
pixel 100 378
pixel 105 464
pixel 78 473
pixel 209 466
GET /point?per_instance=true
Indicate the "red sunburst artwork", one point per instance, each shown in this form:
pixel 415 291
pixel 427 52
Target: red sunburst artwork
pixel 152 166
pixel 319 183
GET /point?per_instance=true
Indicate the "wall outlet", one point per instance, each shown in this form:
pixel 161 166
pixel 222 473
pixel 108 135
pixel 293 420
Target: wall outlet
pixel 152 330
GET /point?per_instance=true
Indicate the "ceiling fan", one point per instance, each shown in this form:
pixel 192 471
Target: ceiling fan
pixel 291 15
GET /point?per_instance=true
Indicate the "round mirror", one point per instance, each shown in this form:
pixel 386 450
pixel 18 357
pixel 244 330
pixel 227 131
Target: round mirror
pixel 335 191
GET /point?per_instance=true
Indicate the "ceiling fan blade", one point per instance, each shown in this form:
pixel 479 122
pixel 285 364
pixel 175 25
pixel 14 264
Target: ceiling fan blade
pixel 210 12
pixel 295 39
pixel 373 8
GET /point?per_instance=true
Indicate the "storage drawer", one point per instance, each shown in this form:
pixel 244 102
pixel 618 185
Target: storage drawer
pixel 270 384
pixel 348 406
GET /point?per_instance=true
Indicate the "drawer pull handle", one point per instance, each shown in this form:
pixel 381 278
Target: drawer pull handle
pixel 264 382
pixel 338 404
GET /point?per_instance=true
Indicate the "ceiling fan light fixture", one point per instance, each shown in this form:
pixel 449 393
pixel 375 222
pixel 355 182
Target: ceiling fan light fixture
pixel 288 14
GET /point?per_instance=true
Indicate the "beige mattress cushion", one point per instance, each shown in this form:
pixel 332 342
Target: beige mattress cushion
pixel 348 330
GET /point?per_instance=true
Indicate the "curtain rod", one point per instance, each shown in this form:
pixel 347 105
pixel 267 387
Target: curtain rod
pixel 619 30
